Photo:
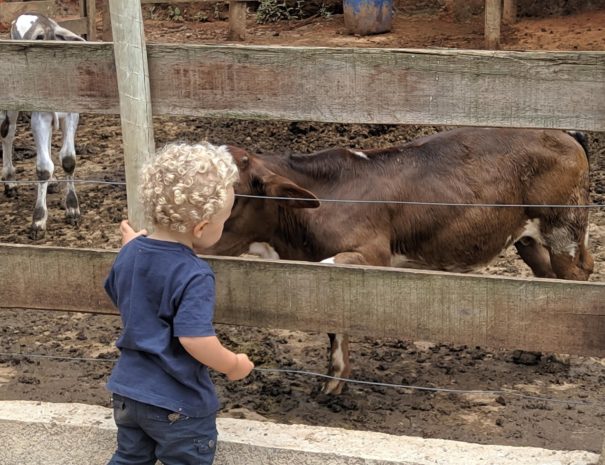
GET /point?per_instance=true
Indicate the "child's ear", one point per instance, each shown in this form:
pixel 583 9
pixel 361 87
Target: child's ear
pixel 198 229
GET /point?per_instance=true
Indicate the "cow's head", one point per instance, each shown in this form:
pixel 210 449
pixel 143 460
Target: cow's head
pixel 254 219
pixel 34 26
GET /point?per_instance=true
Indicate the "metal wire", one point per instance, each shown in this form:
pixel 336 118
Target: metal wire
pixel 498 392
pixel 346 201
pixel 75 181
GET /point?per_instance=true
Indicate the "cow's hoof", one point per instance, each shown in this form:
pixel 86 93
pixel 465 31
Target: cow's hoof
pixel 333 387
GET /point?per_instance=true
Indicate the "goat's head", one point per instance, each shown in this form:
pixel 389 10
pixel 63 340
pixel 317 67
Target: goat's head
pixel 34 26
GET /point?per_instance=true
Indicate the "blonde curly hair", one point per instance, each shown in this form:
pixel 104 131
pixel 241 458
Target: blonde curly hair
pixel 186 184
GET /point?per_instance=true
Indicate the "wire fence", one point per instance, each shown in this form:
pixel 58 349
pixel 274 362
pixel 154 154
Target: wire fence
pixel 311 374
pixel 345 201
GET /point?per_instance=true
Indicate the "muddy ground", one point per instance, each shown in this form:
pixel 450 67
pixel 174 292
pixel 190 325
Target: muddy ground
pixel 481 418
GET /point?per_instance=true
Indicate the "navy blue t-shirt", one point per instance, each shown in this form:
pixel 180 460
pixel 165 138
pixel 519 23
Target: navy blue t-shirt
pixel 163 291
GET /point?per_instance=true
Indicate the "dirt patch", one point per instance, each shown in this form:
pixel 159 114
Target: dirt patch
pixel 502 419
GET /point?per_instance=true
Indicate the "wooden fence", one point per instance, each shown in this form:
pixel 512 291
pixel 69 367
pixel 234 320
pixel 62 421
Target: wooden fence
pixel 398 86
pixel 534 314
pixel 533 89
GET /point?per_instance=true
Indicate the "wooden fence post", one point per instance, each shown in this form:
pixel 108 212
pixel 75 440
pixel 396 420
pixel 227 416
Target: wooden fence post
pixel 107 36
pixel 237 20
pixel 493 17
pixel 135 96
pixel 90 12
pixel 509 11
pixel 602 459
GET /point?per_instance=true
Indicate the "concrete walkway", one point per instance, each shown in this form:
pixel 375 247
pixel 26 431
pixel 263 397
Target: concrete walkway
pixel 36 433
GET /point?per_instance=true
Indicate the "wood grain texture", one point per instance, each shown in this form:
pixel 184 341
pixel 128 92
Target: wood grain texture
pixel 493 18
pixel 534 314
pixel 389 86
pixel 237 20
pixel 135 98
pixel 509 11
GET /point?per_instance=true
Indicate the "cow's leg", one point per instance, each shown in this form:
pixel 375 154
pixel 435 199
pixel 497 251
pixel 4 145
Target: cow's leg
pixel 340 366
pixel 42 131
pixel 536 256
pixel 69 125
pixel 8 128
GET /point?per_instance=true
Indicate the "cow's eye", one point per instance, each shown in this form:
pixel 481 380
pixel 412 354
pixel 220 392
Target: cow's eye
pixel 257 185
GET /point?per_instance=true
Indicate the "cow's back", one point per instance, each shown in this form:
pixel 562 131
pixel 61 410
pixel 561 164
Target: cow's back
pixel 446 174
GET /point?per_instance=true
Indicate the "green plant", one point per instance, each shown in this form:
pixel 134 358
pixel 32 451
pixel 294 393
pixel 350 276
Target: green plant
pixel 324 11
pixel 201 17
pixel 217 10
pixel 270 11
pixel 175 13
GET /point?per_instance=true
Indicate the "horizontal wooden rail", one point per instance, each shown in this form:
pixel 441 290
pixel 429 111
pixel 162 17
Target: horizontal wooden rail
pixel 534 314
pixel 76 25
pixel 445 87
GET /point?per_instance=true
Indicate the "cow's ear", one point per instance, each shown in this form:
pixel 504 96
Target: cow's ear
pixel 64 34
pixel 294 195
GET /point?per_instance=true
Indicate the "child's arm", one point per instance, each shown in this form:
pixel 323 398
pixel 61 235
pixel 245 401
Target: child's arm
pixel 209 351
pixel 128 233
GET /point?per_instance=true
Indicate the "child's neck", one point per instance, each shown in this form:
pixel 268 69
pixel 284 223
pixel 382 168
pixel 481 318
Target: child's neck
pixel 165 234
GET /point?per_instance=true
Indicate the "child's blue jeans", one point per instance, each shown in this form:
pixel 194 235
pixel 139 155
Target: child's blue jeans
pixel 147 433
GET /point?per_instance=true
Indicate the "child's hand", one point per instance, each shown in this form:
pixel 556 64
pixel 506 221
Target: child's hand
pixel 242 368
pixel 128 233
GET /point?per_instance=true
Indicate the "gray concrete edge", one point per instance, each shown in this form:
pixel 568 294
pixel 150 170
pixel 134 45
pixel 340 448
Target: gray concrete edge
pixel 74 434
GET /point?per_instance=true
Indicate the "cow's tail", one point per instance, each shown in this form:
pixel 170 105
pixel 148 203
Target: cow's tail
pixel 582 140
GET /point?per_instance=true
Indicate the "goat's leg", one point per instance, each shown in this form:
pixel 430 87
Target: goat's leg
pixel 8 128
pixel 69 125
pixel 42 131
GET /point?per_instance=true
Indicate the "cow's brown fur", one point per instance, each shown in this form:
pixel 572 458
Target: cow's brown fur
pixel 469 166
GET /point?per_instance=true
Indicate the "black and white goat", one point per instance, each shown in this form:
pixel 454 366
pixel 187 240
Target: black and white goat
pixel 33 26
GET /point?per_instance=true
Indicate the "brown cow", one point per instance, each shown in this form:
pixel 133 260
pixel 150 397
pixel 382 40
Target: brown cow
pixel 462 166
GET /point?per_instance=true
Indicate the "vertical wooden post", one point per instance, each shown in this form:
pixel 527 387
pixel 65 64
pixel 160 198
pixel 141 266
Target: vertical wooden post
pixel 107 36
pixel 493 17
pixel 509 11
pixel 237 20
pixel 91 15
pixel 135 96
pixel 602 459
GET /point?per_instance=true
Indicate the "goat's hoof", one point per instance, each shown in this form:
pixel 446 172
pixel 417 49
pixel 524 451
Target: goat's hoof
pixel 73 219
pixel 10 191
pixel 36 233
pixel 53 187
pixel 72 209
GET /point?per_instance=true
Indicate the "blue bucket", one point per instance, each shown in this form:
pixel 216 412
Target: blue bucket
pixel 363 17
